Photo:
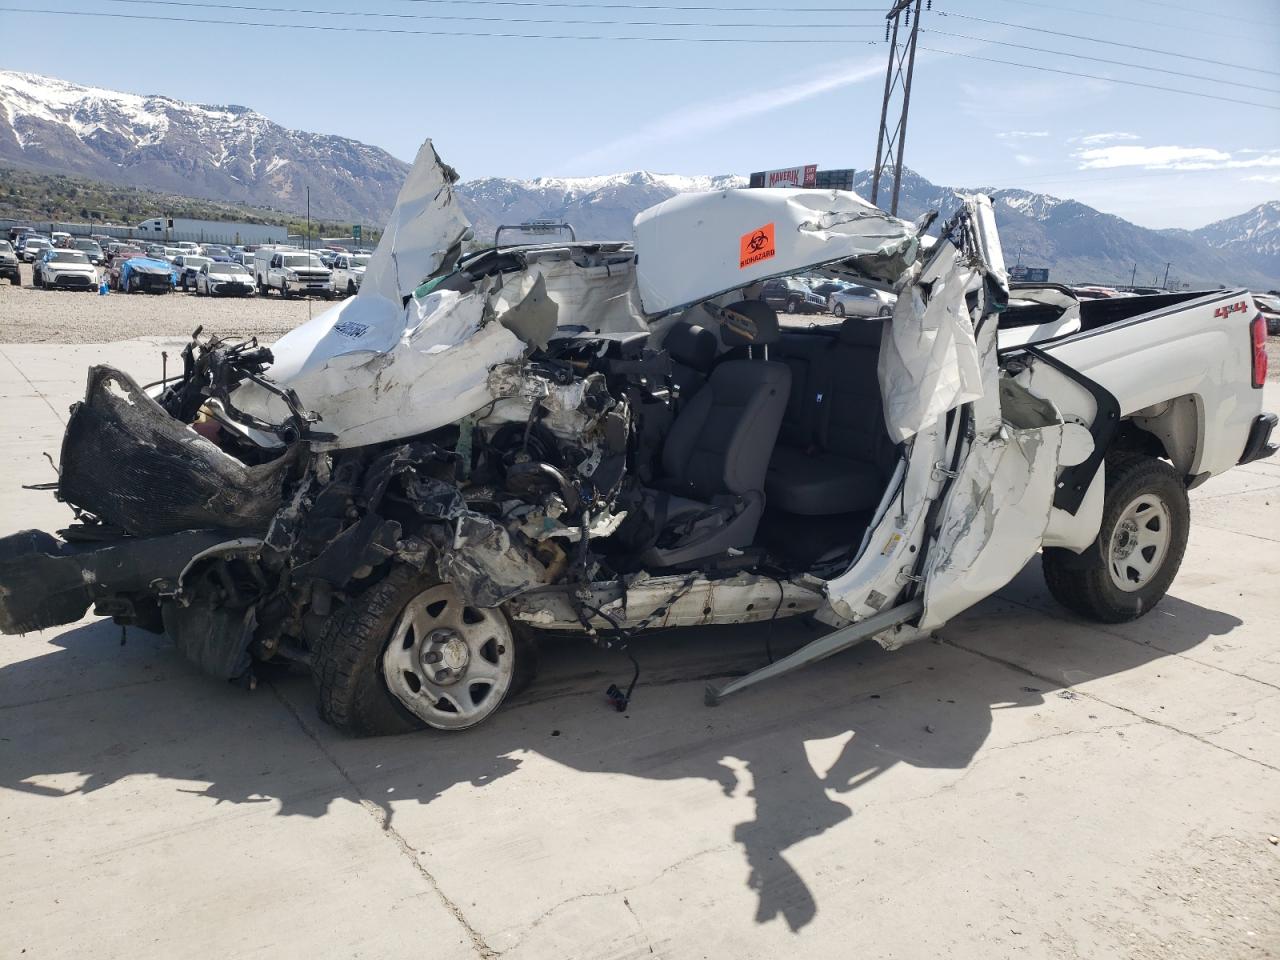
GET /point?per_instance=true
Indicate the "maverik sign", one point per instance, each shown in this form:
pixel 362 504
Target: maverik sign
pixel 806 176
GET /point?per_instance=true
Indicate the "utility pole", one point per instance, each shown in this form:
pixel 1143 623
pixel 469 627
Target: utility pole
pixel 1165 285
pixel 892 139
pixel 1133 276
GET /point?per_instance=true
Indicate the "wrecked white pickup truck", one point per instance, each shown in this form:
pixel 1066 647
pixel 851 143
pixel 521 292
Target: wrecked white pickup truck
pixel 605 438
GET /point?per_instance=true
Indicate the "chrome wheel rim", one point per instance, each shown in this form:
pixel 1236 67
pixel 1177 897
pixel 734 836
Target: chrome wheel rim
pixel 449 663
pixel 1139 542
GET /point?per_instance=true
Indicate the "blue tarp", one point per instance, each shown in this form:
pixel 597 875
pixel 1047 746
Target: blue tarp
pixel 146 265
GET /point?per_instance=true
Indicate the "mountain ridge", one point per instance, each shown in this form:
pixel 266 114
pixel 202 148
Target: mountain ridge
pixel 232 153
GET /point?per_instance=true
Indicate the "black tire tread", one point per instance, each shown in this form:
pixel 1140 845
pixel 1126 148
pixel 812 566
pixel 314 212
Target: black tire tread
pixel 345 664
pixel 346 660
pixel 1081 582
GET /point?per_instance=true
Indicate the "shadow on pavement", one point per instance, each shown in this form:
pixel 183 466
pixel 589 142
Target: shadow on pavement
pixel 929 706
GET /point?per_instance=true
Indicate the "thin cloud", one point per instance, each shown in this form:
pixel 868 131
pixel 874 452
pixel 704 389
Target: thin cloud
pixel 1170 158
pixel 702 118
pixel 1264 178
pixel 1021 134
pixel 1096 139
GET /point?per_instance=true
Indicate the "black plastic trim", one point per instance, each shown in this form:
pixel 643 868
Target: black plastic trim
pixel 1259 445
pixel 1073 483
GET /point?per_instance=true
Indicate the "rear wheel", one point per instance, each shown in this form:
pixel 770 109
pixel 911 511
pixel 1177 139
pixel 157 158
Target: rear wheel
pixel 1127 570
pixel 839 310
pixel 351 289
pixel 885 311
pixel 410 653
pixel 793 305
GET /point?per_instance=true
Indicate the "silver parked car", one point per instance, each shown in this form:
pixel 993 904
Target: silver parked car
pixel 859 301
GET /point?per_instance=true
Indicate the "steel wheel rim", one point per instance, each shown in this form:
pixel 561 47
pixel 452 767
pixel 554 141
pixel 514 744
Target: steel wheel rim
pixel 449 663
pixel 1139 542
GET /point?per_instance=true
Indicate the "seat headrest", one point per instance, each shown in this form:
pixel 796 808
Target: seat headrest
pixel 761 318
pixel 692 345
pixel 860 332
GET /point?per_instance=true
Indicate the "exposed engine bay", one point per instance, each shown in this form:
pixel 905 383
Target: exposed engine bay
pixel 565 437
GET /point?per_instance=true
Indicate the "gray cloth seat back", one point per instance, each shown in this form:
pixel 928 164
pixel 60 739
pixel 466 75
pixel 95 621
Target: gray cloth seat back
pixel 722 440
pixel 717 452
pixel 692 349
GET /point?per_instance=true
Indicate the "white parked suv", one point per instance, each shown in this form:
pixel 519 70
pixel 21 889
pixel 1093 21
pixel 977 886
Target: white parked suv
pixel 347 272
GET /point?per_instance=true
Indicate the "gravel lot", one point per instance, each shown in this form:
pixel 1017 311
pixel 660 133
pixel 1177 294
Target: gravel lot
pixel 31 315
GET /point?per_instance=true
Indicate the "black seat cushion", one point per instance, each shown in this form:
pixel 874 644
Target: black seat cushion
pixel 816 484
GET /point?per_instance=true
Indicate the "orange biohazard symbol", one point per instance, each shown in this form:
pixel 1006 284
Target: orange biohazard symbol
pixel 755 246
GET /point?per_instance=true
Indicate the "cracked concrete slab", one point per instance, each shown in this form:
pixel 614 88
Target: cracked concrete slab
pixel 1028 785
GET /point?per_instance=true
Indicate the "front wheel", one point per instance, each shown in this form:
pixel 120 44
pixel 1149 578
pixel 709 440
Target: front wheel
pixel 793 305
pixel 839 310
pixel 411 653
pixel 1127 570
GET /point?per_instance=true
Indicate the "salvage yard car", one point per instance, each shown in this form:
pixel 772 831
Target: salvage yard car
pixel 293 273
pixel 604 438
pixel 145 275
pixel 856 300
pixel 62 269
pixel 224 279
pixel 348 271
pixel 9 264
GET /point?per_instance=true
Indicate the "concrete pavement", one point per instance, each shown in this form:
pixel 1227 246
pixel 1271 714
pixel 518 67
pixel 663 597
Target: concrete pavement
pixel 1028 785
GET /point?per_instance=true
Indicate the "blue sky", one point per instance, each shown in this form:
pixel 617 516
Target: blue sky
pixel 559 107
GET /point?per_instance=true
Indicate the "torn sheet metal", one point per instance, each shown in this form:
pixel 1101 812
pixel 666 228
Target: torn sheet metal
pixel 374 371
pixel 993 519
pixel 599 296
pixel 928 356
pixel 128 462
pixel 737 237
pixel 424 234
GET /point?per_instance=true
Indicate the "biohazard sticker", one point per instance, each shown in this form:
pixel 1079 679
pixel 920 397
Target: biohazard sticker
pixel 756 246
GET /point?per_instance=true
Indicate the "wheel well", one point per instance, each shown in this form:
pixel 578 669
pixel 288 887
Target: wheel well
pixel 1170 430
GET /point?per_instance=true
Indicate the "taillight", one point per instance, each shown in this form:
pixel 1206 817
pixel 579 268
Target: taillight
pixel 1258 336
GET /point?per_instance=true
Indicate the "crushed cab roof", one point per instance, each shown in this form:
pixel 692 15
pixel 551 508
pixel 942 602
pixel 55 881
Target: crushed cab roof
pixel 699 245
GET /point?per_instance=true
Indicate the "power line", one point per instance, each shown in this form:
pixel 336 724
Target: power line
pixel 1092 76
pixel 1116 16
pixel 650 6
pixel 1081 56
pixel 1208 13
pixel 1112 43
pixel 495 19
pixel 344 28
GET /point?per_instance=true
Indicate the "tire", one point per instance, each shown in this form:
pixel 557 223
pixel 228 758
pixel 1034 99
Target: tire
pixel 793 305
pixel 1089 583
pixel 885 312
pixel 284 291
pixel 347 662
pixel 351 288
pixel 839 310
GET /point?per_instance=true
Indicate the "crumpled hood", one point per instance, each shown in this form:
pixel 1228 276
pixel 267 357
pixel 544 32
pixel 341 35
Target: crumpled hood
pixel 382 365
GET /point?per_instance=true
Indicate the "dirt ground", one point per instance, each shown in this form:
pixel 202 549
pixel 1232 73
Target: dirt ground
pixel 1025 785
pixel 31 315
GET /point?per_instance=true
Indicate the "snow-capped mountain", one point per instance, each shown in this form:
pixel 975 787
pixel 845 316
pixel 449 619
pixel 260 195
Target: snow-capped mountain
pixel 598 207
pixel 1253 235
pixel 235 154
pixel 1076 242
pixel 227 152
